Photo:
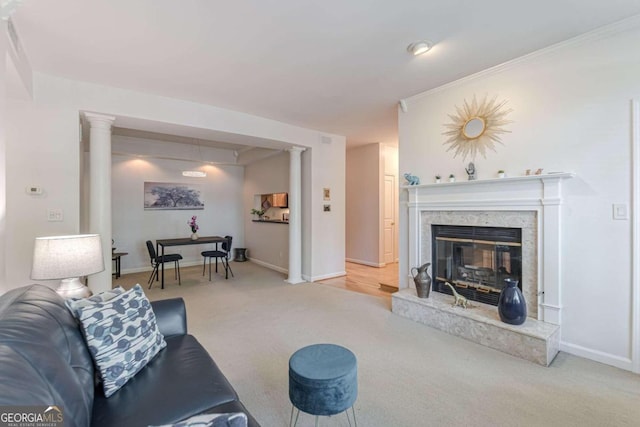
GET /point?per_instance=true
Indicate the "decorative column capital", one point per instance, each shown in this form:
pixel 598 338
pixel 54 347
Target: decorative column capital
pixel 296 149
pixel 100 120
pixel 7 8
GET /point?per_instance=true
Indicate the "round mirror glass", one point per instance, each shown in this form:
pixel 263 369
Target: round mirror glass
pixel 473 128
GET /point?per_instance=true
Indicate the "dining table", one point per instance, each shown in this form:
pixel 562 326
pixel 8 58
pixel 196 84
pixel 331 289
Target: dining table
pixel 163 243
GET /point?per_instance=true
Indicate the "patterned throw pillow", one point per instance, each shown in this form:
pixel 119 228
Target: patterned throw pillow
pixel 236 419
pixel 75 304
pixel 121 333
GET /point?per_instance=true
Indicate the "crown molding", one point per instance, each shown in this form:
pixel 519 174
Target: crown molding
pixel 597 34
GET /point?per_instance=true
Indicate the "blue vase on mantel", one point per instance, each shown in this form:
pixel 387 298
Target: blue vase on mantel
pixel 512 307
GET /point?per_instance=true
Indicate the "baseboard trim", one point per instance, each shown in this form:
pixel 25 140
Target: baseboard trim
pixel 168 266
pixel 369 263
pixel 324 276
pixel 270 266
pixel 598 356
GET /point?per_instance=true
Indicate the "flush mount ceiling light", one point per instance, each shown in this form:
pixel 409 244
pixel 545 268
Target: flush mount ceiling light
pixel 420 47
pixel 194 174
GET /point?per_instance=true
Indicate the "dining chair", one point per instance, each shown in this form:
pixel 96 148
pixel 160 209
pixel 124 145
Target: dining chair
pixel 223 255
pixel 156 261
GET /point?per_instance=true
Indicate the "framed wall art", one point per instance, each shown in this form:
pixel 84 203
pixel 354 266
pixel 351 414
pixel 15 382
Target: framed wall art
pixel 172 196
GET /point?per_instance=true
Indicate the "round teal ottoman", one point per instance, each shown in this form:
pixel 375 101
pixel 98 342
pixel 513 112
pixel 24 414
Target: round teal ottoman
pixel 323 380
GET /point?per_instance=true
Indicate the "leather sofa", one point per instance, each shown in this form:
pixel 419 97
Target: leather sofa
pixel 44 361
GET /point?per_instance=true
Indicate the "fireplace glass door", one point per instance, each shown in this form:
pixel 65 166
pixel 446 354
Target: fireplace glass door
pixel 476 260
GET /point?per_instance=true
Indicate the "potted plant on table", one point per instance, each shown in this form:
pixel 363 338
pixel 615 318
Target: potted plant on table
pixel 194 227
pixel 437 179
pixel 452 178
pixel 500 173
pixel 258 212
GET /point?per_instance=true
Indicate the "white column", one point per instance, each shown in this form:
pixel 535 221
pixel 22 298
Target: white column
pixel 100 193
pixel 295 217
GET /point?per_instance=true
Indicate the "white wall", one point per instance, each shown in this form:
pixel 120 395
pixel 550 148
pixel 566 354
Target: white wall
pixel 571 113
pixel 133 226
pixel 363 191
pixel 326 228
pixel 267 243
pixel 43 150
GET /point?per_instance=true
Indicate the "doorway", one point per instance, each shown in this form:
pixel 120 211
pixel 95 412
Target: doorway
pixel 389 219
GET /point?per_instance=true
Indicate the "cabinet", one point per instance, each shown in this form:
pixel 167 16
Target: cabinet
pixel 280 200
pixel 275 200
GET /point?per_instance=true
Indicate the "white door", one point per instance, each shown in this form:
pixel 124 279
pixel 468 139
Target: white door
pixel 389 218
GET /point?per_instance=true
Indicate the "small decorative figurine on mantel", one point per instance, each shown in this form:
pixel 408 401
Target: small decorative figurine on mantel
pixel 471 171
pixel 411 179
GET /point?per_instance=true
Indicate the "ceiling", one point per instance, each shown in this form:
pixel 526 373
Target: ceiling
pixel 335 66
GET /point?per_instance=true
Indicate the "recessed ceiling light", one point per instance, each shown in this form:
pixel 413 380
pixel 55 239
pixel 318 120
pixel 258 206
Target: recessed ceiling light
pixel 420 47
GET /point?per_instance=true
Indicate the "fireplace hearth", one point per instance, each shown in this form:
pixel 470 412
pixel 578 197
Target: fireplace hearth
pixel 476 260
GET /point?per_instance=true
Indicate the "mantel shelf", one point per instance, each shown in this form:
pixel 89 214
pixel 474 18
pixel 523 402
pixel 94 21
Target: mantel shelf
pixel 547 176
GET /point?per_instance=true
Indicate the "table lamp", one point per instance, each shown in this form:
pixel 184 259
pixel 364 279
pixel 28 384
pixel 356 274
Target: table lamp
pixel 67 258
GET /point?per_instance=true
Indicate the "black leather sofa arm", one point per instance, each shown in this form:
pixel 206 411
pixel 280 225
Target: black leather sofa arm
pixel 171 316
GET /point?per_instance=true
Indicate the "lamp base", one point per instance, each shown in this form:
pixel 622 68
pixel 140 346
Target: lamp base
pixel 73 288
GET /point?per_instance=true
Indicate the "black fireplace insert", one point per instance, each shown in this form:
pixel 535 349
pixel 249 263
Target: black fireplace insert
pixel 476 260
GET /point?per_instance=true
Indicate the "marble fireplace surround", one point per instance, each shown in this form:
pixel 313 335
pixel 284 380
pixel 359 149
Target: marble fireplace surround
pixel 532 203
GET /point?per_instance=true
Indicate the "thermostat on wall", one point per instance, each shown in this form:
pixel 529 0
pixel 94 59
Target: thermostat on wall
pixel 34 190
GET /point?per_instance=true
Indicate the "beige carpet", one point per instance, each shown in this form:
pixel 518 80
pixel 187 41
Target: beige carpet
pixel 408 374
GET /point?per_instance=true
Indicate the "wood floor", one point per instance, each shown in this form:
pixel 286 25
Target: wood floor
pixel 381 282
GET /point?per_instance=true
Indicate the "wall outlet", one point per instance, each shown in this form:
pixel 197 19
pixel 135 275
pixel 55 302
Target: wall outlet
pixel 55 215
pixel 620 211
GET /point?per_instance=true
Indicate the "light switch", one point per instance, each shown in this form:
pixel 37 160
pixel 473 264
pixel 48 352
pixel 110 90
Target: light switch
pixel 620 211
pixel 55 215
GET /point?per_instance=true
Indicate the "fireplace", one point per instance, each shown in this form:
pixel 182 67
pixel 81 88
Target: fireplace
pixel 476 260
pixel 526 213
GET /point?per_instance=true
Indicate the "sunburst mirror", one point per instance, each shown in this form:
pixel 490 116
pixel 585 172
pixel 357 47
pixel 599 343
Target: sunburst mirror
pixel 477 127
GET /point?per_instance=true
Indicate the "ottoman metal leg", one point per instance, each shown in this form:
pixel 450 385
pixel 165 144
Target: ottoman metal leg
pixel 355 422
pixel 291 418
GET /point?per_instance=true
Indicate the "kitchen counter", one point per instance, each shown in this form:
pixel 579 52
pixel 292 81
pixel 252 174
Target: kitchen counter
pixel 274 221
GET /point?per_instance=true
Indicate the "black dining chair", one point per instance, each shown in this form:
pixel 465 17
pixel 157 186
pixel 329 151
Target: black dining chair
pixel 223 255
pixel 156 261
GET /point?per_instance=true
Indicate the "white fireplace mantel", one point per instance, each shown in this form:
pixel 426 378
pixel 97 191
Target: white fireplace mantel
pixel 539 193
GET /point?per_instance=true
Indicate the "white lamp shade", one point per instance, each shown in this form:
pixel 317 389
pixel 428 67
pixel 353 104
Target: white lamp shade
pixel 63 257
